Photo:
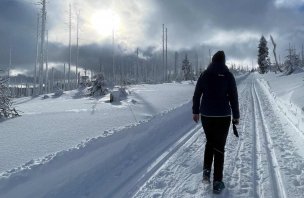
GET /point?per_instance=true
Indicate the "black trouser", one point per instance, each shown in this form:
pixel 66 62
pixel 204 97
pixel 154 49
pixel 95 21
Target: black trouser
pixel 216 130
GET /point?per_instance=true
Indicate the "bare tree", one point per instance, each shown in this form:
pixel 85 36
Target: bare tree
pixel 42 35
pixel 302 53
pixel 166 69
pixel 113 53
pixel 175 64
pixel 37 56
pixel 46 63
pixel 64 87
pixel 164 51
pixel 77 49
pixel 70 46
pixel 275 54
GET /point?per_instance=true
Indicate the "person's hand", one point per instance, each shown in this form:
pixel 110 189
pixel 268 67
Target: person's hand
pixel 235 121
pixel 195 117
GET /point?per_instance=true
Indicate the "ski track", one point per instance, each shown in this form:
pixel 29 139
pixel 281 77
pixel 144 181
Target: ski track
pixel 262 163
pixel 289 165
pixel 181 175
pixel 274 185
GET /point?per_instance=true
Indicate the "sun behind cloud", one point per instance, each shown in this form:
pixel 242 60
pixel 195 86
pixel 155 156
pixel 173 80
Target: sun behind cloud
pixel 104 22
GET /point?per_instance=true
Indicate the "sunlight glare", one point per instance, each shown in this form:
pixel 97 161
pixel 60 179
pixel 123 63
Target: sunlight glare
pixel 105 21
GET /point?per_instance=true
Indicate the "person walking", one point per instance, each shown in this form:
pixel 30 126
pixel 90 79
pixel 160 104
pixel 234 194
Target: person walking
pixel 216 99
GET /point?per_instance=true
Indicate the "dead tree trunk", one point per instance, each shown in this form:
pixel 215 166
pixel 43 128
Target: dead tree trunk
pixel 275 54
pixel 70 47
pixel 77 52
pixel 46 64
pixel 166 55
pixel 37 57
pixel 42 35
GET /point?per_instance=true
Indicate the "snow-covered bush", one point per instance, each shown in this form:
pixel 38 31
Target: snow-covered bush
pixel 58 92
pixel 98 85
pixel 6 104
pixel 292 61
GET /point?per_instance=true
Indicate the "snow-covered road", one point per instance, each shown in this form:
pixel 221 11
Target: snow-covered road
pixel 263 163
pixel 162 157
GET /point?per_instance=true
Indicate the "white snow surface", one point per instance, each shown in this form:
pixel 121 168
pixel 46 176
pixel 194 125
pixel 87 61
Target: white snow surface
pixel 51 125
pixel 158 152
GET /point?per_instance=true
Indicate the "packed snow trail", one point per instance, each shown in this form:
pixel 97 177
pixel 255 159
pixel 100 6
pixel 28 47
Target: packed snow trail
pixel 262 163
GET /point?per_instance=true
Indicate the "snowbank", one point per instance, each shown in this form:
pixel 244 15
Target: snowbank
pixel 288 94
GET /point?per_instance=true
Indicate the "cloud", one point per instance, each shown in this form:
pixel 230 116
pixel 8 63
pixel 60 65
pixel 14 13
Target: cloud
pixel 193 27
pixel 17 31
pixel 289 3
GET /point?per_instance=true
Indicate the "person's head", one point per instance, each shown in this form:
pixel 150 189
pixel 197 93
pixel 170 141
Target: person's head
pixel 219 57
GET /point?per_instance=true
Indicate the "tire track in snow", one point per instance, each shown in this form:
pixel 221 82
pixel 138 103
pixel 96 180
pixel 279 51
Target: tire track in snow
pixel 277 187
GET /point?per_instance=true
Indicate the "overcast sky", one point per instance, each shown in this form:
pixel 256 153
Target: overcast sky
pixel 234 26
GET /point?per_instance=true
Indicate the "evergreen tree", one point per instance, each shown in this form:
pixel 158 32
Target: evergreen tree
pixel 187 69
pixel 263 59
pixel 6 109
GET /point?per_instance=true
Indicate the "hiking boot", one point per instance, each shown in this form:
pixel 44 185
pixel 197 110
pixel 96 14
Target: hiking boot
pixel 206 176
pixel 218 186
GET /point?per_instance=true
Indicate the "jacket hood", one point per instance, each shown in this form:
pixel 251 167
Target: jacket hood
pixel 217 68
pixel 219 57
pixel 218 63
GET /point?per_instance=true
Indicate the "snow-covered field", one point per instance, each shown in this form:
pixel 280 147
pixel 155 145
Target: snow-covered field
pixel 51 125
pixel 148 146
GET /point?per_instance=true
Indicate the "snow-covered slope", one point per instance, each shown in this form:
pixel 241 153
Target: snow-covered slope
pixel 287 93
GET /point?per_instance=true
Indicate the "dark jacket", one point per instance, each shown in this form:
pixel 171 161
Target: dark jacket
pixel 216 92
